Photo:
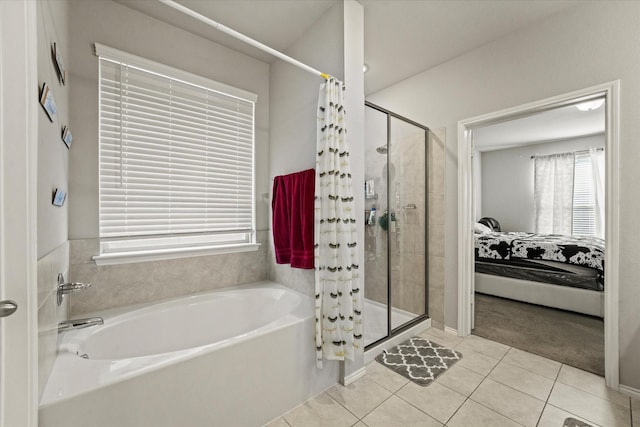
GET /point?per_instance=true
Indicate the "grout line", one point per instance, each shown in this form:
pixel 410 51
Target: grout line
pixel 529 370
pixel 474 390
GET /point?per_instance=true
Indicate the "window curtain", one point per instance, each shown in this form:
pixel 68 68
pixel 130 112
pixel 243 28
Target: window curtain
pixel 553 193
pixel 598 169
pixel 338 309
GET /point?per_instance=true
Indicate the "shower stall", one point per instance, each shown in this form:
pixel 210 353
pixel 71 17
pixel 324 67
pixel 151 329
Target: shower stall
pixel 396 212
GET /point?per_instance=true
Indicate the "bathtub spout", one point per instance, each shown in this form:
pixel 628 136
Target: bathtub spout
pixel 79 323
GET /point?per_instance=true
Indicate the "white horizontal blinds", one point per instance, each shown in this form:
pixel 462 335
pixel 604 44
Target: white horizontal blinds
pixel 584 205
pixel 175 158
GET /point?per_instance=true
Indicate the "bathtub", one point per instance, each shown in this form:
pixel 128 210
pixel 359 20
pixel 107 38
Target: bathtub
pixel 235 357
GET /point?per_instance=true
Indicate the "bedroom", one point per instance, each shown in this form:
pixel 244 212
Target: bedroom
pixel 539 254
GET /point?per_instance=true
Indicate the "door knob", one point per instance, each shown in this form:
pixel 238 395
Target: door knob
pixel 7 308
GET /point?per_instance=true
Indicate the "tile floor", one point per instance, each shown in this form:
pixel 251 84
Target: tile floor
pixel 493 385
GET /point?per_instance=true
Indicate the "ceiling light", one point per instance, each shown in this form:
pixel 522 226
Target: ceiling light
pixel 590 105
pixel 365 68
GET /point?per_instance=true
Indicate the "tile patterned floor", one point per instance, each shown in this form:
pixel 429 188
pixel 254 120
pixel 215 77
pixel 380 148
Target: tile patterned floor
pixel 493 385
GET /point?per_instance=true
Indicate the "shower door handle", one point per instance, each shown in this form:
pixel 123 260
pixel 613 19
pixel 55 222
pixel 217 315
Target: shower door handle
pixel 7 308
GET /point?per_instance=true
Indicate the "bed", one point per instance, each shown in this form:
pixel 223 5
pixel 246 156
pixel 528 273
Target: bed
pixel 565 272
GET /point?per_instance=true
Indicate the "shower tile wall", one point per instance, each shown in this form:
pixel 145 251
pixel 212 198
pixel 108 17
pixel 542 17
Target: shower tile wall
pixel 407 243
pixel 435 195
pixel 126 284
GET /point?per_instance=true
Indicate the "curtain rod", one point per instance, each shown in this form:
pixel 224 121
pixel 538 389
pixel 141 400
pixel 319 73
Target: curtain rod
pixel 233 33
pixel 569 152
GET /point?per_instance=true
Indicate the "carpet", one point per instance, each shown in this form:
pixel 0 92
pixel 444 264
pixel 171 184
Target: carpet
pixel 419 360
pixel 567 337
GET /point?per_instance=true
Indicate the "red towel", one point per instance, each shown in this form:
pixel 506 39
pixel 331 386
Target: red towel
pixel 292 224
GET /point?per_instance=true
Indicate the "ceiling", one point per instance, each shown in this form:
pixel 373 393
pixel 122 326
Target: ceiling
pixel 551 125
pixel 402 38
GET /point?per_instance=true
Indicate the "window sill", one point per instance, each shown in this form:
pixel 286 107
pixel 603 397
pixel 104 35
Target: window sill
pixel 173 253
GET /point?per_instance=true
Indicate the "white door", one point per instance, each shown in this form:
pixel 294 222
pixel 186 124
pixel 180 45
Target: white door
pixel 18 256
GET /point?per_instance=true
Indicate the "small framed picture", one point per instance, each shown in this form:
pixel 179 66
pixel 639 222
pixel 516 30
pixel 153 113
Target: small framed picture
pixel 59 196
pixel 66 136
pixel 47 101
pixel 57 59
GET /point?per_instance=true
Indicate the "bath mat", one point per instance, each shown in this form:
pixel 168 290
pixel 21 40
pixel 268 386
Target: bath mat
pixel 419 360
pixel 572 422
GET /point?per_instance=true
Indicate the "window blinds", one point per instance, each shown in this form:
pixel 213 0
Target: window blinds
pixel 584 211
pixel 176 158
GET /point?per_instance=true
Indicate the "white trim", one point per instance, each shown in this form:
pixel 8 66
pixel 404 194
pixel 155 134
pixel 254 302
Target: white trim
pixel 172 253
pixel 466 204
pixel 354 376
pixel 116 55
pixel 450 330
pixel 19 127
pixel 630 391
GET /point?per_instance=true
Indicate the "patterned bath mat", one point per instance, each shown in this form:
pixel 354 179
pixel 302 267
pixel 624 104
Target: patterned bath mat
pixel 419 360
pixel 572 422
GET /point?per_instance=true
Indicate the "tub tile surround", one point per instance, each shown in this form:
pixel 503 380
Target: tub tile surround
pixel 126 284
pixel 49 314
pixel 515 388
pixel 298 279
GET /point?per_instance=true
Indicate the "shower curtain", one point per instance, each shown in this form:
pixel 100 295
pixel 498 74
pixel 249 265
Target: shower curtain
pixel 337 286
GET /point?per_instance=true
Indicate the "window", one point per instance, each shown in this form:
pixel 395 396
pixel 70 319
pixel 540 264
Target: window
pixel 569 193
pixel 584 204
pixel 176 162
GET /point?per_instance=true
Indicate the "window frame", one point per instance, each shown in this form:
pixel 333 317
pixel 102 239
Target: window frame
pixel 160 247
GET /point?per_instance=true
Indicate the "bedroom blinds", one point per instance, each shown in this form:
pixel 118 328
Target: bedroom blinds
pixel 584 218
pixel 588 194
pixel 176 158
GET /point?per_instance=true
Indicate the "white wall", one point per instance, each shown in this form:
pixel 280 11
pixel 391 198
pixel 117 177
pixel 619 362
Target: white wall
pixel 53 172
pixel 53 156
pixel 507 180
pixel 551 57
pixel 118 26
pixel 334 45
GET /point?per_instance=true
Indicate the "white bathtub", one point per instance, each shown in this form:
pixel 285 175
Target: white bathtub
pixel 238 357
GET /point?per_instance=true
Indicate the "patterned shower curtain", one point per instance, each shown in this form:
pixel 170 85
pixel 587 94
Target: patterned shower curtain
pixel 338 303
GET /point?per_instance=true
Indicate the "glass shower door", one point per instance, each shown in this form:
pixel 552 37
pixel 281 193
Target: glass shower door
pixel 407 221
pixel 376 265
pixel 395 224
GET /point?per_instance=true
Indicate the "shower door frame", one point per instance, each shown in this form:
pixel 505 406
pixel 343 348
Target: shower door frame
pixel 391 332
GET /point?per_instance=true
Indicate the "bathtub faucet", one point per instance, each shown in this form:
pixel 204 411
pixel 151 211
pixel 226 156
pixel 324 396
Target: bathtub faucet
pixel 79 323
pixel 67 288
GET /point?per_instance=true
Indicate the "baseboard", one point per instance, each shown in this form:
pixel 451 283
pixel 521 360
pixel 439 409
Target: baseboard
pixel 451 330
pixel 630 391
pixel 349 379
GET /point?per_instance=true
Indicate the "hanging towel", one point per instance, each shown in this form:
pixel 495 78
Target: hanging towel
pixel 292 223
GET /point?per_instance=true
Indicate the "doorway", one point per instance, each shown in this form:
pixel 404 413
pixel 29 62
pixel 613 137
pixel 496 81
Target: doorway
pixel 467 209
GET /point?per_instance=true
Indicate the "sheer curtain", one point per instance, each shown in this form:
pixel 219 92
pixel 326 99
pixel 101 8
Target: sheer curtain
pixel 553 193
pixel 598 168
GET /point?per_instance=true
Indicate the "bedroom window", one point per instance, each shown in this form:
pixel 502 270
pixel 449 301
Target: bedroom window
pixel 588 194
pixel 176 162
pixel 569 193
